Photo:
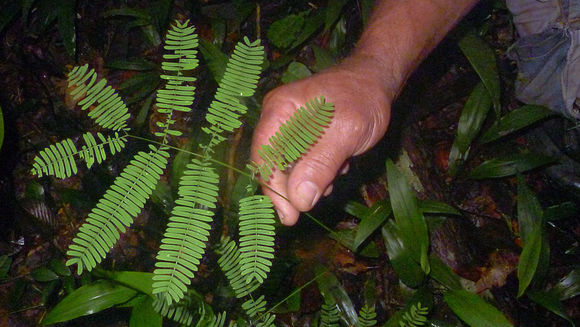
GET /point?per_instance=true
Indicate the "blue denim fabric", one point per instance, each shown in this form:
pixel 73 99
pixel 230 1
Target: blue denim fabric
pixel 548 53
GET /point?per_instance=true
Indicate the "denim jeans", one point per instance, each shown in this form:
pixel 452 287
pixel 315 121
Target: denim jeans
pixel 548 53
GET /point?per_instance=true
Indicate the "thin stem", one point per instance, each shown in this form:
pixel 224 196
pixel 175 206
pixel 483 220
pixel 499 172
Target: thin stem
pixel 297 290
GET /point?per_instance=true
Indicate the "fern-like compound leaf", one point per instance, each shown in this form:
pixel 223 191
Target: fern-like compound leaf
pixel 178 94
pixel 184 241
pixel 294 137
pixel 229 263
pixel 106 107
pixel 192 308
pixel 329 315
pixel 256 237
pixel 366 317
pixel 116 210
pixel 256 310
pixel 416 316
pixel 240 80
pixel 59 159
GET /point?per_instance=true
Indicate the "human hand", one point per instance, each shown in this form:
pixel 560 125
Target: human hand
pixel 361 116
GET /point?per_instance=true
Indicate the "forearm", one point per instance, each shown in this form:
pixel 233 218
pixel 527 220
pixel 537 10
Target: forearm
pixel 401 33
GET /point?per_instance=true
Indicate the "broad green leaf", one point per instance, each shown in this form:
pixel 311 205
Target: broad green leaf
pixel 323 58
pixel 472 117
pixel 515 120
pixel 43 274
pixel 346 239
pixel 294 72
pixel 366 9
pixel 379 212
pixel 215 59
pixel 531 233
pixel 408 217
pixel 1 128
pixel 437 207
pixel 529 212
pixel 332 291
pixel 561 211
pixel 474 310
pixel 482 58
pixel 66 15
pixel 140 281
pixel 5 263
pixel 143 314
pixel 337 38
pixel 285 32
pixel 357 209
pixel 333 11
pixel 551 302
pixel 443 274
pixel 130 12
pixel 89 299
pixel 568 287
pixel 510 165
pixel 401 257
pixel 139 64
pixel 312 23
pixel 59 267
pixel 528 263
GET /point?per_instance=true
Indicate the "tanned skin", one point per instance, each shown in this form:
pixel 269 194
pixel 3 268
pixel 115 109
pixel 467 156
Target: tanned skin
pixel 399 35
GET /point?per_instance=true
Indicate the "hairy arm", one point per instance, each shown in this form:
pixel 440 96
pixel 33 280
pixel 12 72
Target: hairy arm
pixel 400 34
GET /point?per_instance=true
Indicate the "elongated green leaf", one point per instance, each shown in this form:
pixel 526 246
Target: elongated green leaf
pixel 357 209
pixel 89 299
pixel 66 25
pixel 472 117
pixel 294 72
pixel 401 256
pixel 561 211
pixel 333 12
pixel 43 274
pixel 517 119
pixel 143 314
pixel 437 207
pixel 140 281
pixel 5 263
pixel 139 64
pixel 1 128
pixel 551 302
pixel 568 287
pixel 474 310
pixel 510 165
pixel 530 222
pixel 333 292
pixel 443 274
pixel 370 223
pixel 482 58
pixel 409 218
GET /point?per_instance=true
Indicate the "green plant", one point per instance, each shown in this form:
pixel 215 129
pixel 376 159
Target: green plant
pixel 187 233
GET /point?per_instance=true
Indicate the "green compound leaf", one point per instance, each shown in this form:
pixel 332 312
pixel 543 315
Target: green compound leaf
pixel 122 202
pixel 229 263
pixel 89 299
pixel 109 111
pixel 257 233
pixel 510 165
pixel 294 137
pixel 474 310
